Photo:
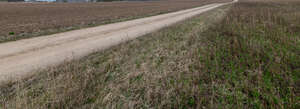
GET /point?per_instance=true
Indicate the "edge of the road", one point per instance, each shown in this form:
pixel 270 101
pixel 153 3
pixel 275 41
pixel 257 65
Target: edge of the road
pixel 15 74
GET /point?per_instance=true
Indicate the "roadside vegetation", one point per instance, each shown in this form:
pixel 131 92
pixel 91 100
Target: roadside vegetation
pixel 242 56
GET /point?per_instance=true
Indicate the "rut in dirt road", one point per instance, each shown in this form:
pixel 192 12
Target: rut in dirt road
pixel 18 59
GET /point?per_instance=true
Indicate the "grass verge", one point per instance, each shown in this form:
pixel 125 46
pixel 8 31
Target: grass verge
pixel 250 59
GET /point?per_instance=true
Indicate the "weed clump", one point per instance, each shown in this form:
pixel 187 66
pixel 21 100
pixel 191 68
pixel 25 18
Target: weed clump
pixel 11 33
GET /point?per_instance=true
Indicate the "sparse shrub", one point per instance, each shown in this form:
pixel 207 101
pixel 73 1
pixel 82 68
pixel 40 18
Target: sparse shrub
pixel 11 33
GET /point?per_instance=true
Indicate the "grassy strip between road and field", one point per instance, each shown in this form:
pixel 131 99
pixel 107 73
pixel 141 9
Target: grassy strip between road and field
pixel 249 58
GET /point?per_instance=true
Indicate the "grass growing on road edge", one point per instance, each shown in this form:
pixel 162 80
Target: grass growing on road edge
pixel 250 59
pixel 133 74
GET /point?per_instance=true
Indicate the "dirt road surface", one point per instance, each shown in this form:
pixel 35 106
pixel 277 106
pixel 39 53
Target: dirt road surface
pixel 19 59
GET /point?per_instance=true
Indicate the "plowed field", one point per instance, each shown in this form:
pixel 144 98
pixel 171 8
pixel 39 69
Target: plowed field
pixel 23 20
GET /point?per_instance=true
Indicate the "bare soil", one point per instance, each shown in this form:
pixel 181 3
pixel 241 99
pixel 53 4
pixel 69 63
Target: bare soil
pixel 23 20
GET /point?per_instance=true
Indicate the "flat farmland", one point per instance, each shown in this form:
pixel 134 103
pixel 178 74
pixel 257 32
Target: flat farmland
pixel 24 20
